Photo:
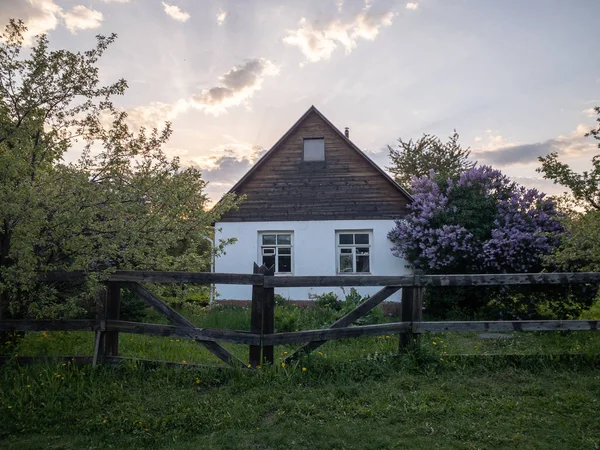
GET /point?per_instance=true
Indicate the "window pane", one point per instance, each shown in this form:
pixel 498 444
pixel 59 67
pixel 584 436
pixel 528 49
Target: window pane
pixel 362 264
pixel 362 238
pixel 362 251
pixel 268 251
pixel 346 239
pixel 268 260
pixel 346 251
pixel 314 149
pixel 345 263
pixel 285 251
pixel 284 239
pixel 268 239
pixel 285 263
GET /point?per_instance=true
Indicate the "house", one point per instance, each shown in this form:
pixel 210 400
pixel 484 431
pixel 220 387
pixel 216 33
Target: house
pixel 315 205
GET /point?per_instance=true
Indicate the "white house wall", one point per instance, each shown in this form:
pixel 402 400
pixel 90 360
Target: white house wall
pixel 314 253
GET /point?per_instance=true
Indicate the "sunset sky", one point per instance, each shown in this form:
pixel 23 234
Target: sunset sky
pixel 516 79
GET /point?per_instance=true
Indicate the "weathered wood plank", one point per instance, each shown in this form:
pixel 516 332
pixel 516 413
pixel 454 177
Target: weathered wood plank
pixel 340 280
pixel 507 279
pixel 109 343
pixel 499 326
pixel 147 276
pixel 113 360
pixel 406 338
pixel 197 334
pixel 348 319
pixel 49 325
pixel 435 280
pixel 334 333
pixel 178 319
pixel 268 352
pixel 256 319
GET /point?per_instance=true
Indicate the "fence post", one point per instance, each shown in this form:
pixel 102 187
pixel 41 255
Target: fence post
pixel 268 315
pixel 417 311
pixel 407 315
pixel 256 317
pixel 112 311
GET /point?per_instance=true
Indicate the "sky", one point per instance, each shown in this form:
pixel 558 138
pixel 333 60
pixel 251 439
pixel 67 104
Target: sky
pixel 516 79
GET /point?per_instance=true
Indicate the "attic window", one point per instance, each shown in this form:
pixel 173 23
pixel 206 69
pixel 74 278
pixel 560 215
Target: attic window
pixel 314 149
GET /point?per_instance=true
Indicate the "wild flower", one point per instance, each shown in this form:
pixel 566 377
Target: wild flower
pixel 304 369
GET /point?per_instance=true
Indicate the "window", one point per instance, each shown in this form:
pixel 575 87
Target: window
pixel 276 249
pixel 353 251
pixel 314 149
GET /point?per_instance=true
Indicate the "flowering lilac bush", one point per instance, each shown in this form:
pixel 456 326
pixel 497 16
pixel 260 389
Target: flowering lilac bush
pixel 478 222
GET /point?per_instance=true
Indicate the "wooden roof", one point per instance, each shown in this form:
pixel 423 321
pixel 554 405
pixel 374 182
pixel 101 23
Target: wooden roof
pixel 281 186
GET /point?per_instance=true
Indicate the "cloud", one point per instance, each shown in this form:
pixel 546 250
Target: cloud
pixel 226 166
pixel 236 87
pixel 175 13
pixel 82 18
pixel 221 16
pixel 318 39
pixel 40 16
pixel 412 6
pixel 116 1
pixel 590 112
pixel 153 115
pixel 574 144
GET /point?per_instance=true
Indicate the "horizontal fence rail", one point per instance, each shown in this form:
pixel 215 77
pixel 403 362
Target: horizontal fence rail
pixel 145 276
pixel 262 336
pixel 435 280
pixel 294 337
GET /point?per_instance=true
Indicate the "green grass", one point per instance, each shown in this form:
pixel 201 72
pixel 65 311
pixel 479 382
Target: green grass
pixel 531 390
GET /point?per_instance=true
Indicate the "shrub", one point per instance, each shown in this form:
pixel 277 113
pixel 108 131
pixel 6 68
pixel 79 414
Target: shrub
pixel 481 222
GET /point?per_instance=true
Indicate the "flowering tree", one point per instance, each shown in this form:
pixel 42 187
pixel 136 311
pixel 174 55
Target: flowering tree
pixel 477 222
pixel 123 205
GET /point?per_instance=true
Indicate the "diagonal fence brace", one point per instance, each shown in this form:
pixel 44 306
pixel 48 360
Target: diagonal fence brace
pixel 347 320
pixel 177 319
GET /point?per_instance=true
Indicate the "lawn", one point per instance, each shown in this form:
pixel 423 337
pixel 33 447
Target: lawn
pixel 522 390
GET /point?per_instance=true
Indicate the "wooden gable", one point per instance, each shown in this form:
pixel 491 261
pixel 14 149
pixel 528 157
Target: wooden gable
pixel 347 185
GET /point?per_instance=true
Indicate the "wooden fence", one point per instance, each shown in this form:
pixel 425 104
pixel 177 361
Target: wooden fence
pixel 262 337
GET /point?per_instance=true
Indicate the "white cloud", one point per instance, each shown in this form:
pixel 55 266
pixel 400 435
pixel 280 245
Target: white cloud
pixel 411 5
pixel 116 1
pixel 221 16
pixel 590 112
pixel 40 16
pixel 236 87
pixel 318 39
pixel 175 13
pixel 82 18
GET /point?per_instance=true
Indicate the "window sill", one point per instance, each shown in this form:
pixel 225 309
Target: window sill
pixel 353 274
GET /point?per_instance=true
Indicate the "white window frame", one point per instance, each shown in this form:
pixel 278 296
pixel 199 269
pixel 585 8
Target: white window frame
pixel 353 247
pixel 268 247
pixel 304 141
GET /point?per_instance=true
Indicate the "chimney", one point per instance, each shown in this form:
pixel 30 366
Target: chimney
pixel 347 132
